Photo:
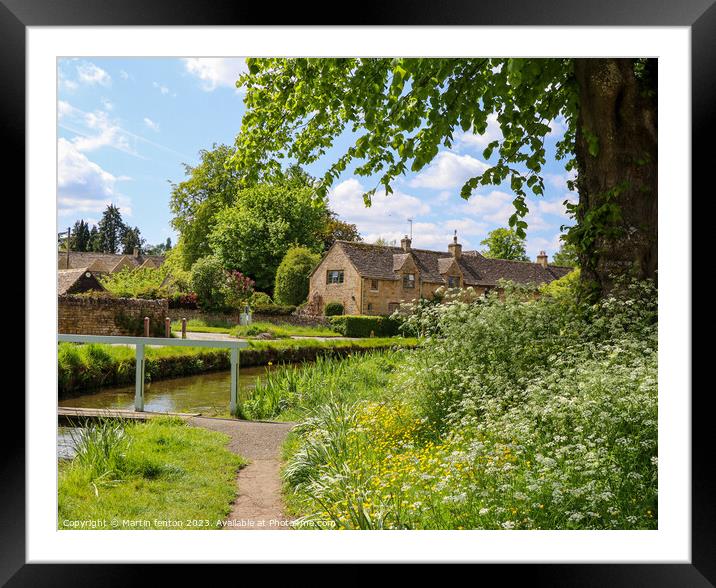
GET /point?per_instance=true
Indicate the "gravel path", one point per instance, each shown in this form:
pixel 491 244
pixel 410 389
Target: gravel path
pixel 258 504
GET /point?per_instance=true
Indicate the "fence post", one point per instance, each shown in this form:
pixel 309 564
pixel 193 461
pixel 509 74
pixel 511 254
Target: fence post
pixel 234 381
pixel 183 328
pixel 146 326
pixel 167 327
pixel 139 378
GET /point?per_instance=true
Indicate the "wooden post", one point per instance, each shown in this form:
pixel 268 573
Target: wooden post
pixel 183 328
pixel 234 404
pixel 167 327
pixel 146 326
pixel 139 378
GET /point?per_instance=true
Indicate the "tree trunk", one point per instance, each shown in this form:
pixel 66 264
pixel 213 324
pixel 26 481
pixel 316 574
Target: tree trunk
pixel 616 150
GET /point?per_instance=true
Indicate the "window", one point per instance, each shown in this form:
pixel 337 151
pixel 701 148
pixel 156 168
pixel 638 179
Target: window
pixel 374 284
pixel 334 277
pixel 453 281
pixel 393 306
pixel 370 307
pixel 408 280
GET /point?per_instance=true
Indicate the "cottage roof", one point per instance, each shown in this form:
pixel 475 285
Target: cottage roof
pixel 102 262
pixel 66 279
pixel 382 262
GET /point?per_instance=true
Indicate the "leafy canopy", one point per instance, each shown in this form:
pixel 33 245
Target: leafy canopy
pixel 504 244
pixel 402 111
pixel 255 233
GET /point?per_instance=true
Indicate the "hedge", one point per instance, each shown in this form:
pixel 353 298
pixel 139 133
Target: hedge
pixel 365 326
pixel 333 309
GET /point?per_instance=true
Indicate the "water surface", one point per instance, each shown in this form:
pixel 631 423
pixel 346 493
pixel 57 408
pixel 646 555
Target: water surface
pixel 205 393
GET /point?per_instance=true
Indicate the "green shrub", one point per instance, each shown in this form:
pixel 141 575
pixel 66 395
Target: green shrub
pixel 260 298
pixel 333 309
pixel 365 326
pixel 207 281
pixel 292 275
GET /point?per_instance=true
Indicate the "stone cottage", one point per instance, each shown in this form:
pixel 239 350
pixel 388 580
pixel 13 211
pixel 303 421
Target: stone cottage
pixel 375 279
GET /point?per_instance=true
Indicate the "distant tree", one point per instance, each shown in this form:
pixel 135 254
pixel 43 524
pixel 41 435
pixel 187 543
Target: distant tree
pixel 94 240
pixel 384 242
pixel 110 231
pixel 131 238
pixel 160 248
pixel 80 237
pixel 254 234
pixel 195 202
pixel 567 255
pixel 504 244
pixel 336 229
pixel 292 276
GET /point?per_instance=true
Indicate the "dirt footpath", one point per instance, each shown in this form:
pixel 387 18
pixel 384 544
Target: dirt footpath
pixel 258 504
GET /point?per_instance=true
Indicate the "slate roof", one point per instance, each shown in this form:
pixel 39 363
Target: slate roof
pixel 380 261
pixel 102 262
pixel 66 279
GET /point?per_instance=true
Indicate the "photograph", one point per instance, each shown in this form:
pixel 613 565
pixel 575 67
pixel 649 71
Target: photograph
pixel 413 291
pixel 357 293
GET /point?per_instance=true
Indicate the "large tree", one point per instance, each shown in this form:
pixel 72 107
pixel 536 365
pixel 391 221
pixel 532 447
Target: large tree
pixel 404 111
pixel 254 233
pixel 505 244
pixel 110 231
pixel 209 187
pixel 80 238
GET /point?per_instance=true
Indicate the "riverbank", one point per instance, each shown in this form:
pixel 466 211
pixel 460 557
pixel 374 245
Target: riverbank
pixel 89 367
pixel 162 474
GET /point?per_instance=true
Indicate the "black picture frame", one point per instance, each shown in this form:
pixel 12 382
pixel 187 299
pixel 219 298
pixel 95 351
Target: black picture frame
pixel 700 15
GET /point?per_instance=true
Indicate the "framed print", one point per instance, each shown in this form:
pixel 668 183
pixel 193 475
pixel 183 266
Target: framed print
pixel 413 289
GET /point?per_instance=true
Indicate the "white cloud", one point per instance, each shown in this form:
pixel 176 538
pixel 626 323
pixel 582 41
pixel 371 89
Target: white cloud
pixel 107 104
pixel 215 72
pixel 82 185
pixel 557 127
pixel 151 124
pixel 492 133
pixel 557 207
pixel 162 88
pixel 448 170
pixel 123 74
pixel 90 74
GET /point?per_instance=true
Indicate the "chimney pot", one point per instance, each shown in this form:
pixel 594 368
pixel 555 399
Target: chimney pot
pixel 542 259
pixel 405 243
pixel 135 252
pixel 455 248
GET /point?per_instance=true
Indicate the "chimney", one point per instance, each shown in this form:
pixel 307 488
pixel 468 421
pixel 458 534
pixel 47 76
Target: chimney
pixel 405 244
pixel 135 252
pixel 455 248
pixel 542 259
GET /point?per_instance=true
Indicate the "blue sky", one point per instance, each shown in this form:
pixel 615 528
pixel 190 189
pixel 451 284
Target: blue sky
pixel 127 126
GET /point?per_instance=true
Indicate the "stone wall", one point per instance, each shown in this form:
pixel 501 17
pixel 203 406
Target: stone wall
pixel 96 315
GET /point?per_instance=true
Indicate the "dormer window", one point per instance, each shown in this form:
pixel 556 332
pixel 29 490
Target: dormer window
pixel 334 277
pixel 408 281
pixel 453 281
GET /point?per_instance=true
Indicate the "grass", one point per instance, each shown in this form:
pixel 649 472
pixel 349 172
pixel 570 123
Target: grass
pixel 290 393
pixel 92 366
pixel 279 331
pixel 512 415
pixel 161 474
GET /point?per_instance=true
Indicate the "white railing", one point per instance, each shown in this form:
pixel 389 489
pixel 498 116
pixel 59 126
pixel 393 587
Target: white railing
pixel 139 344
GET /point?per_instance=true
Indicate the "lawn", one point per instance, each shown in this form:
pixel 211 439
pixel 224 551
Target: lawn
pixel 278 331
pixel 162 474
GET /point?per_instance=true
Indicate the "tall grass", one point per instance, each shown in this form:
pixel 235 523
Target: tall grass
pixel 290 391
pixel 514 414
